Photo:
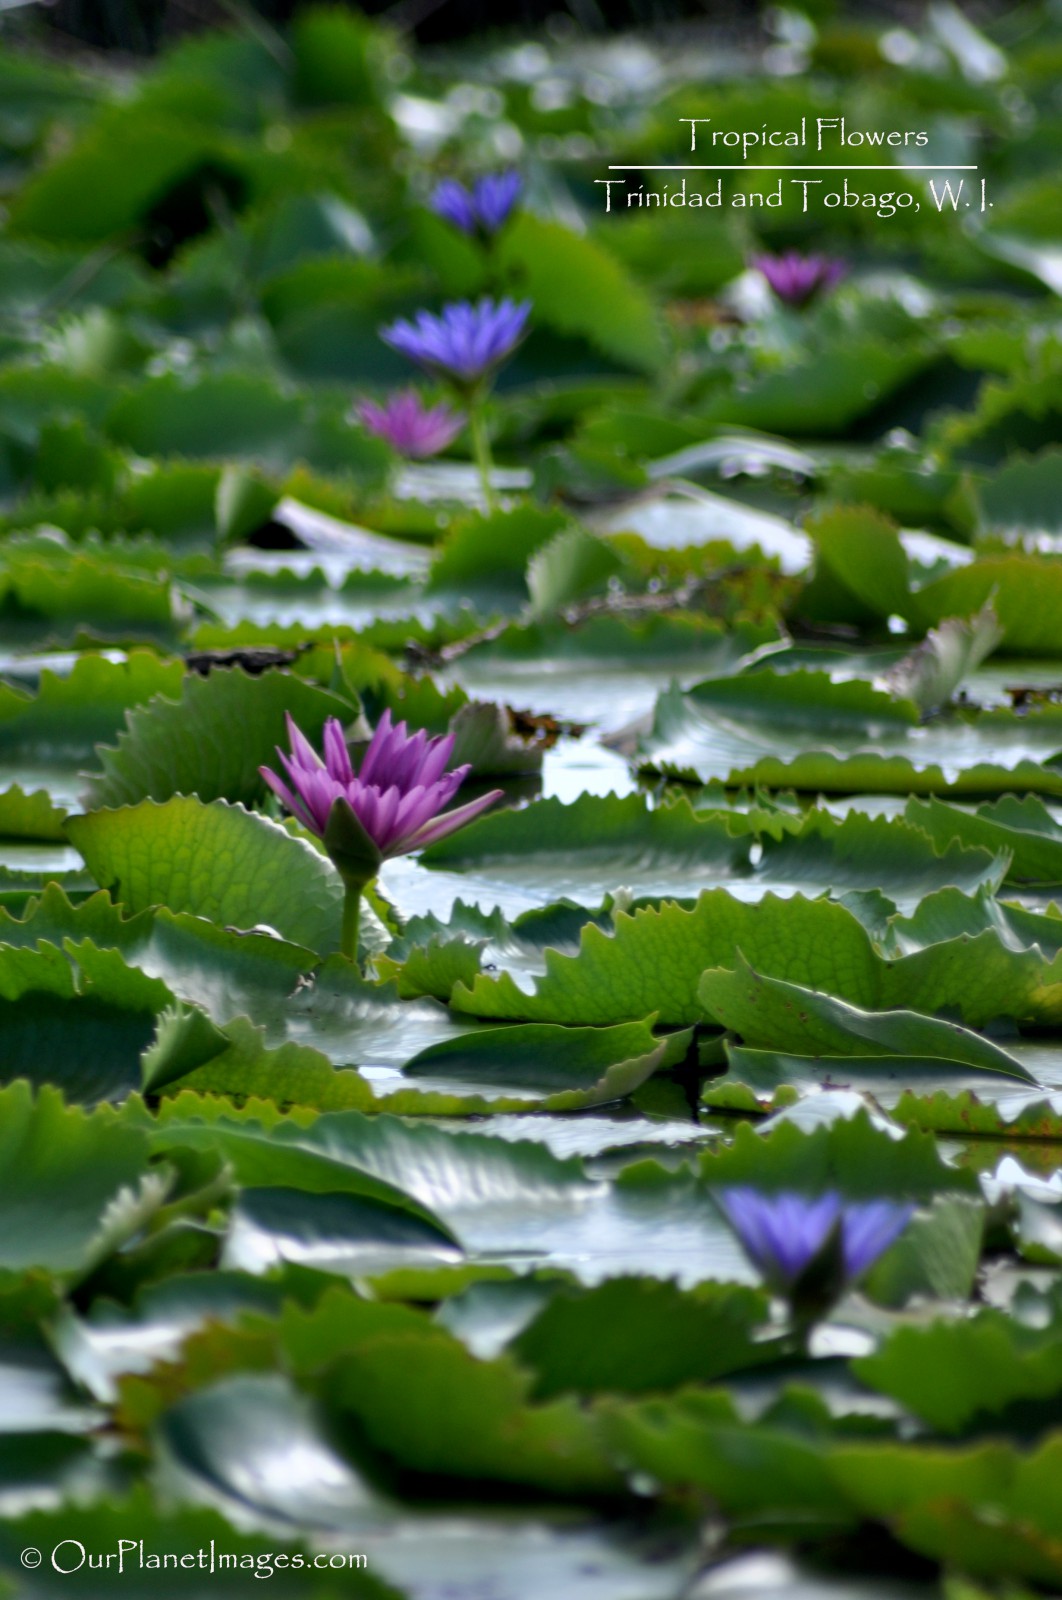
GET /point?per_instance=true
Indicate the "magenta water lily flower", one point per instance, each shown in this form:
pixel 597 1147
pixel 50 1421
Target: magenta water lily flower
pixel 797 279
pixel 485 208
pixel 466 342
pixel 810 1247
pixel 392 805
pixel 397 794
pixel 409 426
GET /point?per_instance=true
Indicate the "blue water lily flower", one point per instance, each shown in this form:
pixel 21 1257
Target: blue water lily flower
pixel 453 202
pixel 809 1248
pixel 466 342
pixel 494 196
pixel 485 208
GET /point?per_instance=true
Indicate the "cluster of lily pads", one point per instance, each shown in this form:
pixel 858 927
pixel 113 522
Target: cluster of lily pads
pixel 530 955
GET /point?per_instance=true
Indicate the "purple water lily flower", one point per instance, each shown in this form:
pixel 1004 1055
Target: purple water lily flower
pixel 796 279
pixel 466 342
pixel 409 426
pixel 786 1235
pixel 401 786
pixel 390 807
pixel 485 208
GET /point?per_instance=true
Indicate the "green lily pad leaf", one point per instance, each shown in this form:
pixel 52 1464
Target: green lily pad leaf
pixel 606 671
pixel 971 957
pixel 1024 827
pixel 861 549
pixel 608 1338
pixel 486 557
pixel 948 915
pixel 1021 502
pixel 110 1340
pixel 603 842
pixel 568 1068
pixel 496 1430
pixel 826 392
pixel 226 414
pixel 175 500
pixel 937 1254
pixel 30 816
pixel 850 1154
pixel 131 154
pixel 860 853
pixel 93 1160
pixel 484 737
pixel 167 854
pixel 768 1079
pixel 652 959
pixel 30 274
pixel 656 956
pixel 291 1157
pixel 315 1022
pixel 756 728
pixel 1024 1114
pixel 513 1202
pixel 401 1386
pixel 226 973
pixel 571 566
pixel 69 714
pixel 429 956
pixel 356 1022
pixel 206 1439
pixel 342 1233
pixel 56 595
pixel 981 978
pixel 185 1038
pixel 1024 591
pixel 83 1020
pixel 697 1440
pixel 244 501
pixel 934 669
pixel 953 1374
pixel 286 1075
pixel 769 1013
pixel 341 59
pixel 212 740
pixel 985 1505
pixel 577 288
pixel 591 842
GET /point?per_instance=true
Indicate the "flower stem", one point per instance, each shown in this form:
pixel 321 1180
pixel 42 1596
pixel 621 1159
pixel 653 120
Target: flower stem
pixel 481 450
pixel 348 942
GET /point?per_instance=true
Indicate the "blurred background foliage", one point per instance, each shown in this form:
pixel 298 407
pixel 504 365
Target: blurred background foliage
pixel 142 26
